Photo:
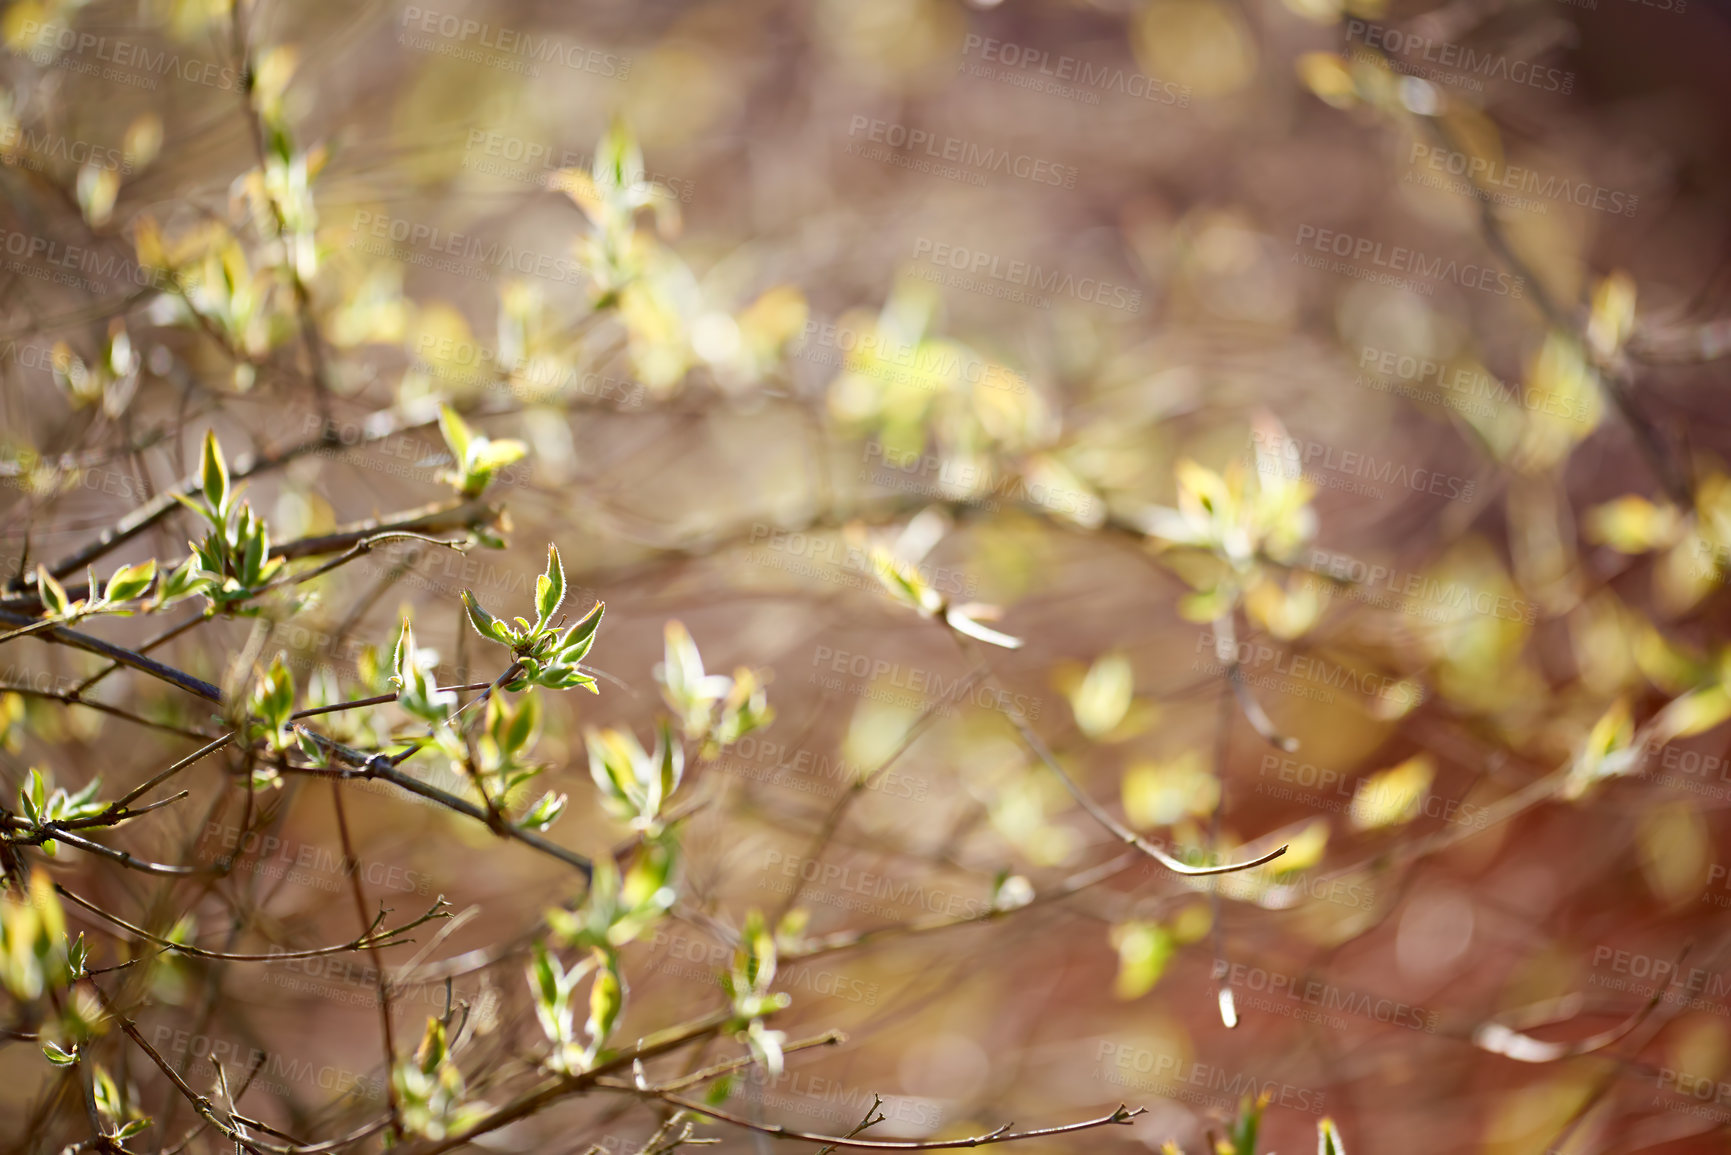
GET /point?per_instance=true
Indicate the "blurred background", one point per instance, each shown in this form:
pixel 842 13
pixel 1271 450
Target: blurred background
pixel 972 281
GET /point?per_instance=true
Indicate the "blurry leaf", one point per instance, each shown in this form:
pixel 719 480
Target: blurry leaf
pixel 1162 793
pixel 1613 315
pixel 1392 797
pixel 1326 75
pixel 1674 851
pixel 1143 951
pixel 1693 713
pixel 1609 751
pixel 1633 524
pixel 97 189
pixel 1103 698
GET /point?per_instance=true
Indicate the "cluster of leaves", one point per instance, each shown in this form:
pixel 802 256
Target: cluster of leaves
pixel 232 562
pixel 617 910
pixel 540 654
pixel 430 1090
pixel 477 459
pixel 1246 1126
pixel 34 953
pixel 749 984
pixel 711 709
pixel 42 804
pixel 127 584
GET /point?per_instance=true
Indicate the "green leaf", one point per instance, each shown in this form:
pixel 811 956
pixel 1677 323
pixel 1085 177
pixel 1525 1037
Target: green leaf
pixel 33 796
pixel 314 753
pixel 1144 949
pixel 669 765
pixel 1248 1123
pixel 549 589
pixel 403 656
pixel 545 975
pixel 106 1094
pixel 613 758
pixel 1328 1139
pixel 492 456
pixel 544 813
pixel 273 698
pixel 573 645
pixel 431 1052
pixel 486 624
pixel 520 730
pixel 606 1000
pixel 52 593
pixel 1103 698
pixel 215 475
pixel 132 1128
pixel 130 582
pixel 457 436
pixel 60 1058
pixel 1693 713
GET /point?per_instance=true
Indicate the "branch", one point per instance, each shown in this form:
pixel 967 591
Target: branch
pixel 1121 1116
pixel 132 658
pixel 1128 836
pixel 370 939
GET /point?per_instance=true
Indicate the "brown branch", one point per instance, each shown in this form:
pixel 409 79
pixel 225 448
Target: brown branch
pixel 1121 1116
pixel 352 867
pixel 367 941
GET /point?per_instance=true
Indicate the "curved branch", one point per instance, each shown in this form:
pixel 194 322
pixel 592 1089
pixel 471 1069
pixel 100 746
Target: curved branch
pixel 1118 829
pixel 1121 1116
pixel 371 938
